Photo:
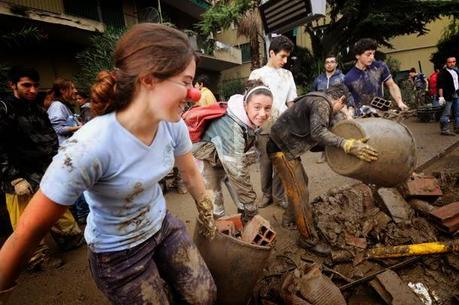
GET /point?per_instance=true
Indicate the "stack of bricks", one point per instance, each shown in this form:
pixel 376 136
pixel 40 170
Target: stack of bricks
pixel 258 231
pixel 447 217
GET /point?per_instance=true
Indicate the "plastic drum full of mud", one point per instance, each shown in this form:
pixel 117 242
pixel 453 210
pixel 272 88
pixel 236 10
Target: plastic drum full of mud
pixel 235 266
pixel 393 141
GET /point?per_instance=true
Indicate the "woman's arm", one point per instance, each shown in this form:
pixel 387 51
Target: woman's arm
pixel 191 176
pixel 195 185
pixel 40 214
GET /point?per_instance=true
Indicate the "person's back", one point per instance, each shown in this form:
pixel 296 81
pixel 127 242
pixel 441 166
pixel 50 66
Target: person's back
pixel 433 83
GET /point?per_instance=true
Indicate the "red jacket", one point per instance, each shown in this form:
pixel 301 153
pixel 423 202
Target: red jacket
pixel 433 84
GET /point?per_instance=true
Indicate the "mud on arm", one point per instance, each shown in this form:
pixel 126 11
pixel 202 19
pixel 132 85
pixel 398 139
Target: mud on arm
pixel 195 185
pixel 319 121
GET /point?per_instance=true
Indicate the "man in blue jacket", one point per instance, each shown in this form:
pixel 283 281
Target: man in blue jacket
pixel 331 76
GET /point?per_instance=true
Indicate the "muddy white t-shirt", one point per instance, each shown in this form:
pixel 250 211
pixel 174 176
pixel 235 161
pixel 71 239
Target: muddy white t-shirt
pixel 120 175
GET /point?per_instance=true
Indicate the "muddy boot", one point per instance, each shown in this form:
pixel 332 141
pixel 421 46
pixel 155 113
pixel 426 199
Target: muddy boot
pixel 283 204
pixel 250 210
pixel 265 201
pixel 42 260
pixel 447 133
pixel 317 246
pixel 288 222
pixel 68 242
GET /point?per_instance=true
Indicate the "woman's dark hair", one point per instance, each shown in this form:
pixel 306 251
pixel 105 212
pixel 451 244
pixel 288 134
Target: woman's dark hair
pixel 251 84
pixel 58 91
pixel 363 45
pixel 280 43
pixel 146 49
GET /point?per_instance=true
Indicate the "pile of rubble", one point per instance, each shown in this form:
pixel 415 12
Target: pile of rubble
pixel 383 242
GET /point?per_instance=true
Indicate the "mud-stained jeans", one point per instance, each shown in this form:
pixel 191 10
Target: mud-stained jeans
pixel 295 182
pixel 141 275
pixel 214 177
pixel 271 185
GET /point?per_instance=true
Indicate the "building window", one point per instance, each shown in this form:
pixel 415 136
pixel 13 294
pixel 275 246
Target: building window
pixel 245 52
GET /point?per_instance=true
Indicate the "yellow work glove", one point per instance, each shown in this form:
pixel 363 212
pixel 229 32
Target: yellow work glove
pixel 359 149
pixel 22 187
pixel 205 217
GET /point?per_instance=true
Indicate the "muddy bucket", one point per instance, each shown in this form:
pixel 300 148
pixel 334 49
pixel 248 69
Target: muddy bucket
pixel 235 266
pixel 394 143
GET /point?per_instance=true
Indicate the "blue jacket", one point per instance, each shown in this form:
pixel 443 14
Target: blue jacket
pixel 322 82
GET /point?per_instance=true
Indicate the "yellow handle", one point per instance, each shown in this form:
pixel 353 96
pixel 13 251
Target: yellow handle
pixel 416 249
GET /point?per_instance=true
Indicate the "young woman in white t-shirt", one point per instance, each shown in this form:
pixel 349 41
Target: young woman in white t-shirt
pixel 117 158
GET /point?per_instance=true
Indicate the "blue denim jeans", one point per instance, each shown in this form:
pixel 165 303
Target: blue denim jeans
pixel 166 266
pixel 451 106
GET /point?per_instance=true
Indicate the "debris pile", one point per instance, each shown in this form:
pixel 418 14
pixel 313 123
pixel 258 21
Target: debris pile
pixel 370 231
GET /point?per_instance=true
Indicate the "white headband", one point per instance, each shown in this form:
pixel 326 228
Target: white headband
pixel 256 88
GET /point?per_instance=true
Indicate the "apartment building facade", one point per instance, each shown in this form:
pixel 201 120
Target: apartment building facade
pixel 69 24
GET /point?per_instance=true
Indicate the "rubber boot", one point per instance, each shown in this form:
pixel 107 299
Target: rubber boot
pixel 317 246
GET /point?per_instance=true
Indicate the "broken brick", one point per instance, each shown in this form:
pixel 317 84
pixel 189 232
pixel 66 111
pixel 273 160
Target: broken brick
pixel 393 291
pixel 354 241
pixel 225 227
pixel 258 231
pixel 446 211
pixel 235 219
pixel 422 186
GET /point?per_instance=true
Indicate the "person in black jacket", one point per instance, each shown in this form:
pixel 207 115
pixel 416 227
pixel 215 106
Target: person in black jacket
pixel 448 95
pixel 28 144
pixel 302 127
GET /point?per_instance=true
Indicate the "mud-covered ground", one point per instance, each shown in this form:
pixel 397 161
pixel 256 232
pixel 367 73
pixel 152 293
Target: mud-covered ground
pixel 72 284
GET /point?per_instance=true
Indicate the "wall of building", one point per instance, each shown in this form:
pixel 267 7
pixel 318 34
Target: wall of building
pixel 411 50
pixel 55 6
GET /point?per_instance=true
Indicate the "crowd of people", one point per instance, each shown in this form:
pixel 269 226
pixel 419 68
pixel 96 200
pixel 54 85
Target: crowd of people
pixel 62 167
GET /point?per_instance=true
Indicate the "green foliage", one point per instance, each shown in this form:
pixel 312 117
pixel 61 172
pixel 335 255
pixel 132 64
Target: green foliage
pixel 393 64
pixel 28 36
pixel 221 15
pixel 377 19
pixel 448 44
pixel 446 48
pixel 228 88
pixel 304 67
pixel 97 57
